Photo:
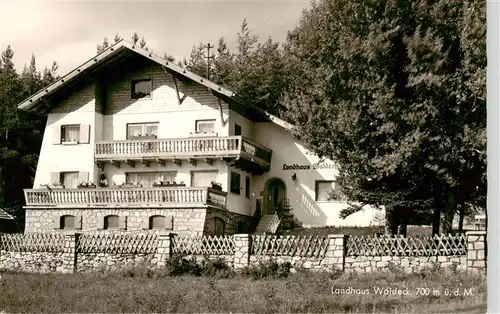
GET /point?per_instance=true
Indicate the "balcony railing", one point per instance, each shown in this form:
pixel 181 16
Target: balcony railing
pixel 227 146
pixel 161 196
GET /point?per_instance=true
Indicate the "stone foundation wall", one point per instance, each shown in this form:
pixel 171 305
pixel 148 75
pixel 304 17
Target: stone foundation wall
pixel 189 221
pixel 36 262
pixel 409 264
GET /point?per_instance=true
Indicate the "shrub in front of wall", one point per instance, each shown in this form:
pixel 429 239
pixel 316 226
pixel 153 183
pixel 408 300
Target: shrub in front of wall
pixel 267 269
pixel 218 268
pixel 178 265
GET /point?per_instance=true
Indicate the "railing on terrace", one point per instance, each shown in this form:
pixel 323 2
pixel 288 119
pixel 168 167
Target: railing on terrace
pixel 203 245
pixel 303 246
pixel 117 243
pixel 135 196
pixel 32 242
pixel 438 245
pixel 182 147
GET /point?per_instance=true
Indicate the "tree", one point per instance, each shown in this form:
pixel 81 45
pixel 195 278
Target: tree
pixel 381 88
pixel 20 133
pixel 103 46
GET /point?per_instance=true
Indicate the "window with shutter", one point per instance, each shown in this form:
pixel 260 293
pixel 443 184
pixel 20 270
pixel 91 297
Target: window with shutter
pixel 70 133
pixel 70 179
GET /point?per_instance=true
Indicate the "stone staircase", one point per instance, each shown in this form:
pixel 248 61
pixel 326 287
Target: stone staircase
pixel 267 224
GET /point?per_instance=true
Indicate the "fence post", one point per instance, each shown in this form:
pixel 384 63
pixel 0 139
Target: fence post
pixel 242 248
pixel 69 255
pixel 164 249
pixel 476 250
pixel 336 251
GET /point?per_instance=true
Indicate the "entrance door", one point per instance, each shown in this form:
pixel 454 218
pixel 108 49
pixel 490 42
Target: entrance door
pixel 276 193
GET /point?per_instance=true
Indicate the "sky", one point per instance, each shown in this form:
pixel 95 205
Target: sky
pixel 68 31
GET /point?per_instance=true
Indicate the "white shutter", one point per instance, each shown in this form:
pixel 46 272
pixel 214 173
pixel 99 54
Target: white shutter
pixel 83 176
pixel 122 222
pixel 56 224
pixel 169 222
pixel 145 223
pixel 78 222
pixel 55 177
pixel 56 135
pixel 100 223
pixel 84 134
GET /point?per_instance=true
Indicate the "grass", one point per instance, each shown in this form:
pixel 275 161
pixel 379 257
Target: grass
pixel 141 291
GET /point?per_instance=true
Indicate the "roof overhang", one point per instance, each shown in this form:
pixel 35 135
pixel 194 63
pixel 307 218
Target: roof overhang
pixel 5 216
pixel 39 102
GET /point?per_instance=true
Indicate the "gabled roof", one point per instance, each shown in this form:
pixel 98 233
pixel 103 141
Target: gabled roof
pixel 38 101
pixel 4 215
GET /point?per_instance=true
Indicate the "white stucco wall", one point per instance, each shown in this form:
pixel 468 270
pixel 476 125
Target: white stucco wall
pixel 77 108
pixel 247 126
pixel 301 192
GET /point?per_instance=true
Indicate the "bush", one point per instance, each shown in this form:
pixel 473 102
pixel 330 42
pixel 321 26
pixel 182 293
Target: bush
pixel 178 265
pixel 217 268
pixel 267 269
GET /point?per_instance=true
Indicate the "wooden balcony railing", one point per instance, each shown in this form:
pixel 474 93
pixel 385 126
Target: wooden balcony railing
pixel 162 196
pixel 227 146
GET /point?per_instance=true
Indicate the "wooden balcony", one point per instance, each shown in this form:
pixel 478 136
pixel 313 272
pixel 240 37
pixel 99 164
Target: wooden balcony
pixel 237 150
pixel 164 197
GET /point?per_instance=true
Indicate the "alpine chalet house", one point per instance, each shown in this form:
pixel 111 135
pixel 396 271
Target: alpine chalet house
pixel 134 142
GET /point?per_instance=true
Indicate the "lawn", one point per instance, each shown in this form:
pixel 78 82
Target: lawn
pixel 142 292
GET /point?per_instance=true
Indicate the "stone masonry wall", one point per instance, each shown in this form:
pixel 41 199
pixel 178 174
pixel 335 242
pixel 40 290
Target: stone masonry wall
pixel 36 262
pixel 334 257
pixel 409 264
pixel 189 221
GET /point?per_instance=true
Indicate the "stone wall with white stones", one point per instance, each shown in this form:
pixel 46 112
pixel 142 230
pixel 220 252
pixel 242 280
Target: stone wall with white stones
pixel 36 262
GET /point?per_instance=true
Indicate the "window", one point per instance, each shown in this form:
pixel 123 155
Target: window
pixel 70 133
pixel 247 186
pixel 69 179
pixel 327 191
pixel 147 179
pixel 219 226
pixel 67 222
pixel 111 222
pixel 141 89
pixel 235 182
pixel 205 126
pixel 137 130
pixel 157 222
pixel 201 179
pixel 237 129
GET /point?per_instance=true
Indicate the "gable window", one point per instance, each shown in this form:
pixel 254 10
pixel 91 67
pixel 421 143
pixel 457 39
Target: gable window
pixel 68 222
pixel 237 129
pixel 235 183
pixel 141 88
pixel 70 133
pixel 141 130
pixel 328 191
pixel 147 179
pixel 111 222
pixel 247 186
pixel 205 126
